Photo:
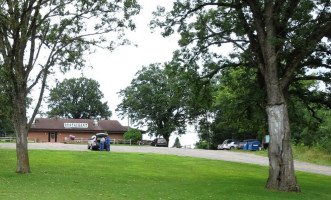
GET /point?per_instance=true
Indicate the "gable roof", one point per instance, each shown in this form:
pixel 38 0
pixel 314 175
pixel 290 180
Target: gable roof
pixel 77 125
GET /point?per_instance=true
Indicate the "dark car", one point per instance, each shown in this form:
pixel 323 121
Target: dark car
pixel 159 142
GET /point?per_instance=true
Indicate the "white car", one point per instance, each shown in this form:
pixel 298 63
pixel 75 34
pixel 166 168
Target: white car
pixel 228 144
pixel 94 141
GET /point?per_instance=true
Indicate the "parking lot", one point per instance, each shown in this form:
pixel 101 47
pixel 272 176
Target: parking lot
pixel 199 153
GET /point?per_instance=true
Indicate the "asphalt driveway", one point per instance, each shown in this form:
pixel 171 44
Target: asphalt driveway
pixel 199 153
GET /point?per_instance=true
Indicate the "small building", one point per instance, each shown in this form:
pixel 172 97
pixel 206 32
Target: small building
pixel 62 130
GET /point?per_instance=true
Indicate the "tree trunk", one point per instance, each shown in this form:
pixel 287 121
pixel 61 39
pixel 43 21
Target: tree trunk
pixel 23 165
pixel 167 137
pixel 20 125
pixel 281 168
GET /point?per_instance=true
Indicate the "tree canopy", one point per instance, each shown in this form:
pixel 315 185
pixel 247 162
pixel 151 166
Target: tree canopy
pixel 155 99
pixel 77 98
pixel 5 123
pixel 241 101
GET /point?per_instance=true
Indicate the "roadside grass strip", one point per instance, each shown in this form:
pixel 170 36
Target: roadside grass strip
pixel 113 175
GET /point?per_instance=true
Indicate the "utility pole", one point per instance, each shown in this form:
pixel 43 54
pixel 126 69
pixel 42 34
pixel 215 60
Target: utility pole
pixel 128 122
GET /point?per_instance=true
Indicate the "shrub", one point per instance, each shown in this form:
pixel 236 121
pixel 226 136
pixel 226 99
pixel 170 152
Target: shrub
pixel 133 134
pixel 202 145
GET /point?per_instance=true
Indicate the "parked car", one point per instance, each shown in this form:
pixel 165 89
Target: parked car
pixel 228 144
pixel 158 142
pixel 252 145
pixel 220 147
pixel 94 142
pixel 240 145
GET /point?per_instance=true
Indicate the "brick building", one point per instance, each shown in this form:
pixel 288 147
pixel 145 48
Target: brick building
pixel 62 130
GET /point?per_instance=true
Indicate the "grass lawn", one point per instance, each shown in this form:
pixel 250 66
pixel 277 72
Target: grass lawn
pixel 112 175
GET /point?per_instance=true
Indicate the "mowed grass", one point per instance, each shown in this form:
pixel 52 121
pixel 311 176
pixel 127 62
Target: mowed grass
pixel 111 175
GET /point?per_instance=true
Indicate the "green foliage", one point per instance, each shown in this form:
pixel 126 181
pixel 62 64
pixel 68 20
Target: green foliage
pixel 237 109
pixel 3 96
pixel 310 116
pixel 324 132
pixel 5 121
pixel 77 98
pixel 155 99
pixel 134 135
pixel 241 101
pixel 177 143
pixel 202 145
pixel 5 124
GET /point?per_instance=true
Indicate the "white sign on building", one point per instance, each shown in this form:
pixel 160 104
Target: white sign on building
pixel 75 125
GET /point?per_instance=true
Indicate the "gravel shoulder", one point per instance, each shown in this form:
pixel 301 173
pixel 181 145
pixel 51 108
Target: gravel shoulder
pixel 198 153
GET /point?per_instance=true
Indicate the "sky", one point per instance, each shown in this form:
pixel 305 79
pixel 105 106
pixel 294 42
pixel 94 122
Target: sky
pixel 115 70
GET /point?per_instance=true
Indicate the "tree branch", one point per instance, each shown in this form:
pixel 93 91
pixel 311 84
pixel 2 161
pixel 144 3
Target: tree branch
pixel 318 78
pixel 227 39
pixel 293 4
pixel 215 71
pixel 295 58
pixel 314 114
pixel 253 41
pixel 41 93
pixel 198 7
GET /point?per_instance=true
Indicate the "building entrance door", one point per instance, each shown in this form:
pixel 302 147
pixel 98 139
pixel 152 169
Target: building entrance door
pixel 52 137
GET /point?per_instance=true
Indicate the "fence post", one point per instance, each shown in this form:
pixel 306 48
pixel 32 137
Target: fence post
pixel 130 142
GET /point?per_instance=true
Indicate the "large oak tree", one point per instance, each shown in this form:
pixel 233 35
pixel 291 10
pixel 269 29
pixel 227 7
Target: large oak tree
pixel 39 37
pixel 282 39
pixel 156 99
pixel 77 98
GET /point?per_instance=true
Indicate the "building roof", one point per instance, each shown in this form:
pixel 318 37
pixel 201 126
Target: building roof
pixel 77 125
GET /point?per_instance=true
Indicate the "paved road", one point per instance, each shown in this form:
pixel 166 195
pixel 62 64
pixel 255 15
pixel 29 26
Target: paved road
pixel 199 153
